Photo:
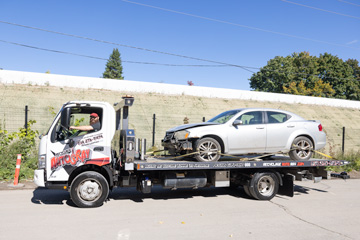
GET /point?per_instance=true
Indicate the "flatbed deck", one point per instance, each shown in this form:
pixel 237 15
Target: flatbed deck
pixel 167 163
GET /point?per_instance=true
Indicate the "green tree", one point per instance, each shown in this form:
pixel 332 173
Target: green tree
pixel 335 71
pixel 303 74
pixel 354 89
pixel 114 69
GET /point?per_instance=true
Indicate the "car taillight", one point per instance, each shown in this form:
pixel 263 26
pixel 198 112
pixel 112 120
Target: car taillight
pixel 320 127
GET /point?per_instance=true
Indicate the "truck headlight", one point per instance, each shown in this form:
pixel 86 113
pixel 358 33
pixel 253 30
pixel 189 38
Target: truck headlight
pixel 182 135
pixel 42 160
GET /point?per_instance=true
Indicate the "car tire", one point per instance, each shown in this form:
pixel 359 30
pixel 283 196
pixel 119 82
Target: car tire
pixel 264 185
pixel 209 150
pixel 89 189
pixel 302 149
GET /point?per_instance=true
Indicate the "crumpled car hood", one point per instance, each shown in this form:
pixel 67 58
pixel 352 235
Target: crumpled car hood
pixel 188 126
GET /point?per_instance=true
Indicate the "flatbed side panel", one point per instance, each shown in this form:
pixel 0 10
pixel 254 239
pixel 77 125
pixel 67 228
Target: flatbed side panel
pixel 186 165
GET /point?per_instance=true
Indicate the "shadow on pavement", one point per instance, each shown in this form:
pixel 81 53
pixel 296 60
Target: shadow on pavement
pixel 51 197
pixel 305 190
pixel 158 193
pixel 61 197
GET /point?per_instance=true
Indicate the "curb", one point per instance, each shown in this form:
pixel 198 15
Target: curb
pixel 19 185
pixel 24 185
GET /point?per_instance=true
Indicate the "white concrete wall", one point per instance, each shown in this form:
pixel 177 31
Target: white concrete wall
pixel 16 77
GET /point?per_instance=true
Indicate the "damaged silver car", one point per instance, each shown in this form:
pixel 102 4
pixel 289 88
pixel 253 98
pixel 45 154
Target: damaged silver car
pixel 247 131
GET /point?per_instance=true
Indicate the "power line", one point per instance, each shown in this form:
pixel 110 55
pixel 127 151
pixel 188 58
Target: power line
pixel 99 58
pixel 167 64
pixel 319 9
pixel 349 3
pixel 51 50
pixel 239 25
pixel 123 45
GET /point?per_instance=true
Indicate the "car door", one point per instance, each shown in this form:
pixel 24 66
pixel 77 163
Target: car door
pixel 249 136
pixel 279 129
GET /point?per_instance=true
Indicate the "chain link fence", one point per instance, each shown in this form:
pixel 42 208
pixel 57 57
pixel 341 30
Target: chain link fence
pixel 12 119
pixel 153 127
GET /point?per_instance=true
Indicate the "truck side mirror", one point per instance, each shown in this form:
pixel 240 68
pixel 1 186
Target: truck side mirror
pixel 237 122
pixel 65 116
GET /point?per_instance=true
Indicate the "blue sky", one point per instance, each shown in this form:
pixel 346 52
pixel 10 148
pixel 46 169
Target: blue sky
pixel 234 33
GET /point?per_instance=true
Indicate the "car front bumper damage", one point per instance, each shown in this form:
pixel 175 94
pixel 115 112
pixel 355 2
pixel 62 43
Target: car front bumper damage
pixel 173 145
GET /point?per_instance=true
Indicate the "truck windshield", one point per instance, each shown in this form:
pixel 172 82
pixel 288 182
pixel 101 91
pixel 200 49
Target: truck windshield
pixel 224 117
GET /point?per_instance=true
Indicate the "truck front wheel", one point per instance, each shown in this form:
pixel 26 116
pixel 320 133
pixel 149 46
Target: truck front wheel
pixel 89 189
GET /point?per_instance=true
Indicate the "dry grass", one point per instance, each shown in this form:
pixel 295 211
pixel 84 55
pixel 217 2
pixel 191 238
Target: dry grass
pixel 170 111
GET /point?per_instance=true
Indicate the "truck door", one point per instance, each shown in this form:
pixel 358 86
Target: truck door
pixel 69 149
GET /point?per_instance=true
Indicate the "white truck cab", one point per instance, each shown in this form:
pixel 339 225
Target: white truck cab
pixel 62 151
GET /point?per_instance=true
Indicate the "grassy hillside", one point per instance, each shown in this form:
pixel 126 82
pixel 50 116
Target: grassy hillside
pixel 170 111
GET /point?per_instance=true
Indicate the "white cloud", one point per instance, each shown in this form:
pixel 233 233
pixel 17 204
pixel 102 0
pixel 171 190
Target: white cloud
pixel 352 42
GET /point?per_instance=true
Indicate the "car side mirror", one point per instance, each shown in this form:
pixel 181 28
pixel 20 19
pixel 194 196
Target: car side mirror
pixel 237 122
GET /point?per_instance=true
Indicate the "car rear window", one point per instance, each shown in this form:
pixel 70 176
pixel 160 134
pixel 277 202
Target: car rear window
pixel 277 117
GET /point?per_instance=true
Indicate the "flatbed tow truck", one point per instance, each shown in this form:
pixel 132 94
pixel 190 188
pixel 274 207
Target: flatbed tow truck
pixel 90 164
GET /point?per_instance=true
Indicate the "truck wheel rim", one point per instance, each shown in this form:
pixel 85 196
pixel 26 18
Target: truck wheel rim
pixel 89 190
pixel 266 186
pixel 208 151
pixel 303 149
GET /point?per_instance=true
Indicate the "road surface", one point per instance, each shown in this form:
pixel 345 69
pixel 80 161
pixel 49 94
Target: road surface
pixel 326 210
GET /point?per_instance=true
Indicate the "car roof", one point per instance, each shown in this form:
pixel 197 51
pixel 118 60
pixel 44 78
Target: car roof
pixel 266 109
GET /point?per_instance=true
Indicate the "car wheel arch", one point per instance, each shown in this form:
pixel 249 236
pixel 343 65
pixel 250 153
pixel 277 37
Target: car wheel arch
pixel 297 134
pixel 217 138
pixel 307 136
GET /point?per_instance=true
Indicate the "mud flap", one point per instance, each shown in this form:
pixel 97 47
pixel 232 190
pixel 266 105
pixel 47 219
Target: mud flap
pixel 287 187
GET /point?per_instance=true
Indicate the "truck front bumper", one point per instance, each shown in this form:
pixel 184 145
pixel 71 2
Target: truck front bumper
pixel 39 179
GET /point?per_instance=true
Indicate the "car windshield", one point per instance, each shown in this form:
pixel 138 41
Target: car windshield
pixel 224 117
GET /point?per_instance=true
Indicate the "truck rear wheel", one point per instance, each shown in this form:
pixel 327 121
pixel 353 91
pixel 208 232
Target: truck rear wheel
pixel 247 190
pixel 89 189
pixel 208 149
pixel 264 185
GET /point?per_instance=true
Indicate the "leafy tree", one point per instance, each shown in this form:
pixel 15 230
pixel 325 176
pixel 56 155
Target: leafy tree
pixel 354 90
pixel 303 74
pixel 114 69
pixel 320 89
pixel 335 71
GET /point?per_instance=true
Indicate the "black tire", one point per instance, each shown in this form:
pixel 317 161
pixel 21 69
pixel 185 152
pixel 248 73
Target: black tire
pixel 208 149
pixel 247 190
pixel 264 186
pixel 89 190
pixel 302 149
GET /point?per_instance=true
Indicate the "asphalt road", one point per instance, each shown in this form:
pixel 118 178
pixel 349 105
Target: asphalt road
pixel 326 210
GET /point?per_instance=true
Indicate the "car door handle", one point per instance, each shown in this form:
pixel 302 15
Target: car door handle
pixel 260 128
pixel 291 126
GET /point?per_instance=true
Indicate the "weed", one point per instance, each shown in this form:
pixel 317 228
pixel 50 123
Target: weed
pixel 52 111
pixel 352 157
pixel 21 142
